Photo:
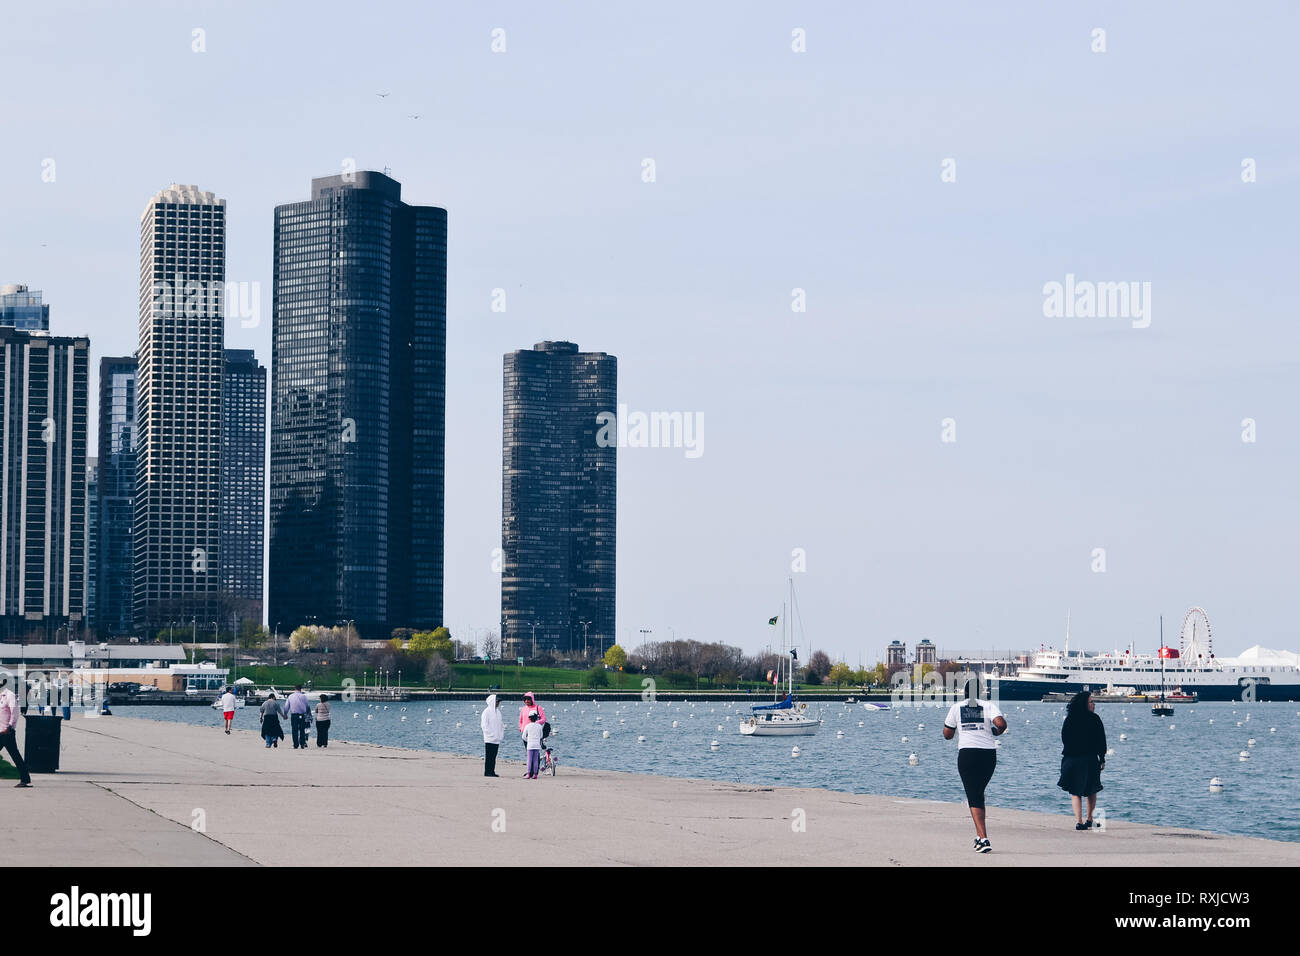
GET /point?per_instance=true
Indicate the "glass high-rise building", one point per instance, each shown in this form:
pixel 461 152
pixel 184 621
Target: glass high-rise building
pixel 243 482
pixel 115 551
pixel 557 501
pixel 22 309
pixel 178 443
pixel 358 408
pixel 43 409
pixel 91 524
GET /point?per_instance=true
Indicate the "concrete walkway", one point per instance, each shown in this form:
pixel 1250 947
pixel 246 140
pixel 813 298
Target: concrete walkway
pixel 134 792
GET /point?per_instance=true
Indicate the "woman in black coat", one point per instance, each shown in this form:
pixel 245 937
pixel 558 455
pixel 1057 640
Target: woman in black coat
pixel 1083 756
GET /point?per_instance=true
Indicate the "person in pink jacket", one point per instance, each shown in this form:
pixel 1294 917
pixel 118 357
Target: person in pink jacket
pixel 530 707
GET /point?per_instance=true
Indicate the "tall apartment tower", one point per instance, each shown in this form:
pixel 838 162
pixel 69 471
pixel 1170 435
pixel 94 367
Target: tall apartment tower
pixel 243 482
pixel 558 501
pixel 91 524
pixel 22 309
pixel 178 443
pixel 358 408
pixel 115 553
pixel 42 485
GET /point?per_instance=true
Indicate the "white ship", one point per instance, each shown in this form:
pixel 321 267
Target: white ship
pixel 1256 674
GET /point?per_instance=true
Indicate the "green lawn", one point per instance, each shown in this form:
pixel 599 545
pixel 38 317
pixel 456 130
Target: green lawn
pixel 507 677
pixel 7 770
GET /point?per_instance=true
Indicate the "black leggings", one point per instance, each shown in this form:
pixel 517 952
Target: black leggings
pixel 976 767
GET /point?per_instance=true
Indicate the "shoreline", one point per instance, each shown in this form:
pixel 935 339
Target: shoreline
pixel 135 791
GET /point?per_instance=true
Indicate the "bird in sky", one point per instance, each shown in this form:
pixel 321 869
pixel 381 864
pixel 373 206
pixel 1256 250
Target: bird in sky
pixel 413 115
pixel 381 95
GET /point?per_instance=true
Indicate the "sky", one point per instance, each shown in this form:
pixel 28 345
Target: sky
pixel 920 171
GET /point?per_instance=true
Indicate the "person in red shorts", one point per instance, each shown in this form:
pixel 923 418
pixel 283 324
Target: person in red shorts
pixel 228 707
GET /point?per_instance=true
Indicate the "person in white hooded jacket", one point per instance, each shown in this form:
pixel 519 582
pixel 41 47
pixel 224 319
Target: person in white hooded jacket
pixel 494 731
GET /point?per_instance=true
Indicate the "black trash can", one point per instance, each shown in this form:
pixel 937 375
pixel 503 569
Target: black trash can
pixel 41 748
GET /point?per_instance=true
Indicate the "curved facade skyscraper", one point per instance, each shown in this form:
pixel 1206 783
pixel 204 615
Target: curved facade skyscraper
pixel 358 408
pixel 558 490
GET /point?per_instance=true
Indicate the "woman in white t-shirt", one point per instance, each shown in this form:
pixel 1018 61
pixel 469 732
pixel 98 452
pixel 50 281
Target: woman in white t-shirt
pixel 975 722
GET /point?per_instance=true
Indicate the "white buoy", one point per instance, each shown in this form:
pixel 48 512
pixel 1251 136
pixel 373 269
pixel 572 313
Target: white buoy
pixel 1216 785
pixel 1211 720
pixel 861 724
pixel 674 723
pixel 904 740
pixel 794 752
pixel 719 726
pixel 458 723
pixel 1123 736
pixel 839 733
pixel 912 760
pixel 1110 752
pixel 1272 730
pixel 1239 723
pixel 428 720
pixel 370 716
pixel 356 715
pixel 403 716
pixel 604 735
pixel 1244 755
pixel 920 726
pixel 1250 742
pixel 714 745
pixel 640 738
pixel 597 720
pixel 1171 726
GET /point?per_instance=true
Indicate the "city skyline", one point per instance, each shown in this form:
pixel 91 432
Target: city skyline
pixel 778 171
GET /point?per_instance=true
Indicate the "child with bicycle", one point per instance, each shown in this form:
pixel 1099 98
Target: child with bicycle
pixel 533 741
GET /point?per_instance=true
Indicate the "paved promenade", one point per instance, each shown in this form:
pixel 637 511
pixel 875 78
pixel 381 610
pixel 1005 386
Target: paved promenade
pixel 130 790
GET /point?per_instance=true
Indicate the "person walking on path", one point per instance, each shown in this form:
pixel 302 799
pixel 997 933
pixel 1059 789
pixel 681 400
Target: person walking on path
pixel 1083 756
pixel 533 745
pixel 530 707
pixel 298 708
pixel 975 722
pixel 228 707
pixel 323 721
pixel 494 731
pixel 9 734
pixel 272 732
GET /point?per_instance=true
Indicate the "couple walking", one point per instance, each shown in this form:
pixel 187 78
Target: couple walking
pixel 532 727
pixel 298 709
pixel 976 722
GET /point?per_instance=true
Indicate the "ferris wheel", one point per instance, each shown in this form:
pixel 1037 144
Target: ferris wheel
pixel 1196 643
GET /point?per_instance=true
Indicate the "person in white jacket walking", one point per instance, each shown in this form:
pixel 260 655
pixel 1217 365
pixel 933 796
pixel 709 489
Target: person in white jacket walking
pixel 494 731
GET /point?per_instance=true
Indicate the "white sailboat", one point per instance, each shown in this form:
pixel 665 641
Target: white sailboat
pixel 782 717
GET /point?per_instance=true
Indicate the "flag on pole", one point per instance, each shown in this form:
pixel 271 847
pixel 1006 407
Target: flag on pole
pixel 773 620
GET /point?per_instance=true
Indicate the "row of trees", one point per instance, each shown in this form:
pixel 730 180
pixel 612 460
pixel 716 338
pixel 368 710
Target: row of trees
pixel 724 664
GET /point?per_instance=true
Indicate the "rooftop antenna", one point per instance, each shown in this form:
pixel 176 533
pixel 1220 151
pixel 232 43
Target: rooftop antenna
pixel 1067 632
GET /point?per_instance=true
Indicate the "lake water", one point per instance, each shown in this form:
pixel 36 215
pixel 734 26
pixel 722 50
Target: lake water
pixel 1160 774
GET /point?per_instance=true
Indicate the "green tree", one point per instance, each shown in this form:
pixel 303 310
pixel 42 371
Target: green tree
pixel 302 639
pixel 596 677
pixel 615 657
pixel 421 644
pixel 841 673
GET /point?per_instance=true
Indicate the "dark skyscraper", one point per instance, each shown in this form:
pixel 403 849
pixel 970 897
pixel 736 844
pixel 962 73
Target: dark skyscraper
pixel 42 485
pixel 557 501
pixel 178 473
pixel 243 481
pixel 358 408
pixel 115 554
pixel 91 524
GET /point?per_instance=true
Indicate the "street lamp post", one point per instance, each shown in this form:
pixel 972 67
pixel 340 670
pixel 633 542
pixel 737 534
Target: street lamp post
pixel 585 655
pixel 275 644
pixel 535 623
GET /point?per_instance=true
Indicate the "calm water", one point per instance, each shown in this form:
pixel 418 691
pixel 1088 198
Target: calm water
pixel 1158 775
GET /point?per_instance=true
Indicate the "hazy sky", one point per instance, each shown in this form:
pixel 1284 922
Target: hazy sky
pixel 774 170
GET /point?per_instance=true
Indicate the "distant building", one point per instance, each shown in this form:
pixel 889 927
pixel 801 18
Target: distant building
pixel 23 310
pixel 182 330
pixel 243 482
pixel 115 554
pixel 92 538
pixel 926 653
pixel 358 408
pixel 558 501
pixel 42 485
pixel 896 654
